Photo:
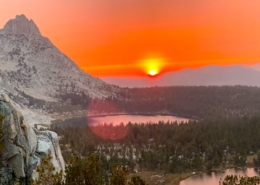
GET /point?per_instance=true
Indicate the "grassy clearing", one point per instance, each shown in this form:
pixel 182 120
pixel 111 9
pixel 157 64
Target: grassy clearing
pixel 159 178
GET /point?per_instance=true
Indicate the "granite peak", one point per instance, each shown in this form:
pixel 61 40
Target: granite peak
pixel 21 25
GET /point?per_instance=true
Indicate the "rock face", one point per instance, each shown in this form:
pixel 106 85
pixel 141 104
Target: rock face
pixel 25 146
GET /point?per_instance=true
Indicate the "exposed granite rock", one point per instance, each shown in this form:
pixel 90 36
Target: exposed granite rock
pixel 21 25
pixel 25 146
pixel 32 66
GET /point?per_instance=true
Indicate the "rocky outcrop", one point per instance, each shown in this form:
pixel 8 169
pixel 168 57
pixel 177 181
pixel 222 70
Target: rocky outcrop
pixel 25 146
pixel 21 26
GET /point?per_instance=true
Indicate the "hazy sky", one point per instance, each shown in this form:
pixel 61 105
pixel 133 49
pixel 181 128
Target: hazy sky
pixel 115 37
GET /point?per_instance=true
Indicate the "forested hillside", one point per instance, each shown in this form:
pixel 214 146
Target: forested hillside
pixel 203 102
pixel 197 145
pixel 224 130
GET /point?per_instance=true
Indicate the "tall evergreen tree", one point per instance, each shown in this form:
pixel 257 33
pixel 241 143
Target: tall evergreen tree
pixel 1 137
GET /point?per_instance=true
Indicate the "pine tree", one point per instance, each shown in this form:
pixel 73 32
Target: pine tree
pixel 136 180
pixel 119 175
pixel 46 175
pixel 84 171
pixel 2 133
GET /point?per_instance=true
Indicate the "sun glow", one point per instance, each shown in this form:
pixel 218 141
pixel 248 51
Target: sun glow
pixel 152 66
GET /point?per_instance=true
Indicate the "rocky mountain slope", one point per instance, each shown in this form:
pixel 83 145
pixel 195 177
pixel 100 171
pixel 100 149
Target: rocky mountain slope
pixel 30 63
pixel 25 146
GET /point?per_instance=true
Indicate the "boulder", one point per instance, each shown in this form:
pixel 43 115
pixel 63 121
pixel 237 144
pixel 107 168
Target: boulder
pixel 25 146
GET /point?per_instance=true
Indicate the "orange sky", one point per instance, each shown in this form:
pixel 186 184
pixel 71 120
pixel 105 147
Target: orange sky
pixel 115 37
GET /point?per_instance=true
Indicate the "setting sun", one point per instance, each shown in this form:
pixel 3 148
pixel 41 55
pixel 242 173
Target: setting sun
pixel 153 72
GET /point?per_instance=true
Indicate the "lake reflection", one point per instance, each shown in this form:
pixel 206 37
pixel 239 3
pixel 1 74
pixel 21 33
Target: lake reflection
pixel 214 177
pixel 117 119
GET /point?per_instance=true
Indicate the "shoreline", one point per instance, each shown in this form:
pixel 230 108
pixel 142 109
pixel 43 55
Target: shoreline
pixel 145 114
pixel 216 170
